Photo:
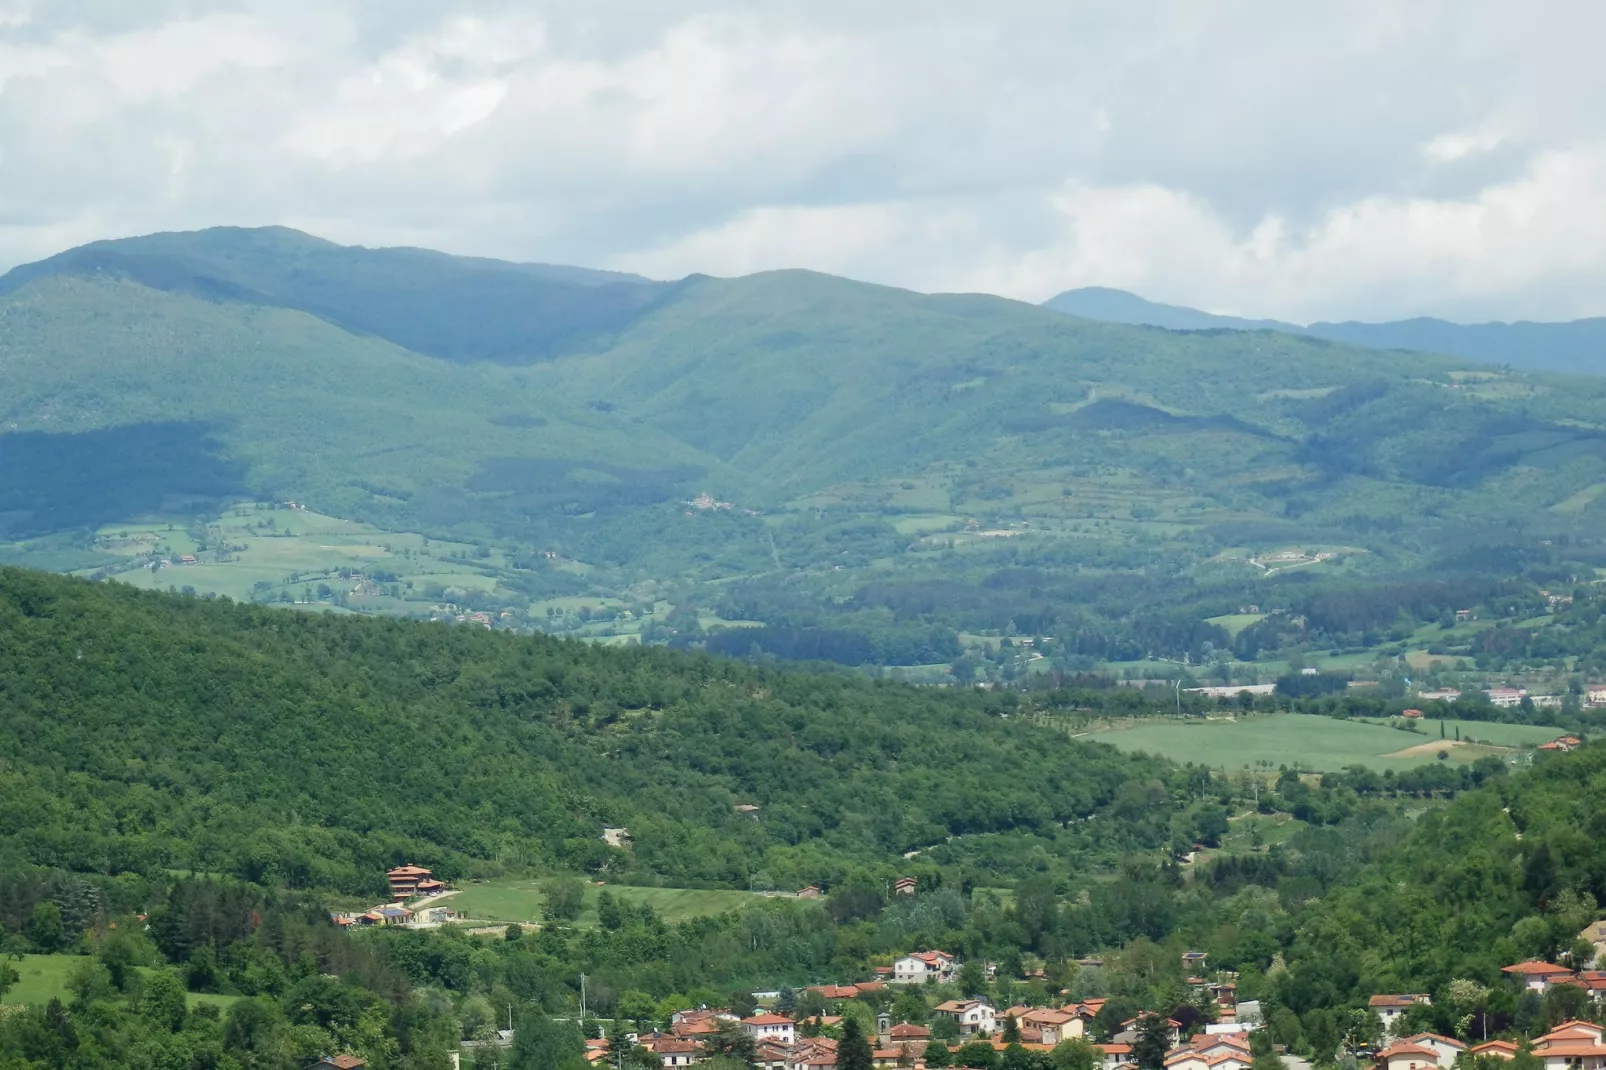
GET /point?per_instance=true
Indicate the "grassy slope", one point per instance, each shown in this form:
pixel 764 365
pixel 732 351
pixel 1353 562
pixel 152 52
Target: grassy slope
pixel 520 900
pixel 1313 742
pixel 45 977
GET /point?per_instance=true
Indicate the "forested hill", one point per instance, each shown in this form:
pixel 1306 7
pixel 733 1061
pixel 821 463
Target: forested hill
pixel 145 731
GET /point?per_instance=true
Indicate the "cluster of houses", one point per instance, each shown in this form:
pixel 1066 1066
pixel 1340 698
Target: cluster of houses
pixel 783 1043
pixel 406 883
pixel 1571 1045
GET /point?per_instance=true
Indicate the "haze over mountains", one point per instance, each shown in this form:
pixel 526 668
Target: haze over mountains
pixel 1577 346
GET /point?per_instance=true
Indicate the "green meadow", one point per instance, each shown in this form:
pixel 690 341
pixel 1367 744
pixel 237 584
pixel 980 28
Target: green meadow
pixel 513 900
pixel 47 977
pixel 1311 742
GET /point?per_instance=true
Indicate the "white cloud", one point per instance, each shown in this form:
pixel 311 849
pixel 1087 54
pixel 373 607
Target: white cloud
pixel 1356 159
pixel 1456 146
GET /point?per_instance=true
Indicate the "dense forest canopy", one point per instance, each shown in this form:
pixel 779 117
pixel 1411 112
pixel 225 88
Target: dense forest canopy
pixel 292 756
pixel 147 731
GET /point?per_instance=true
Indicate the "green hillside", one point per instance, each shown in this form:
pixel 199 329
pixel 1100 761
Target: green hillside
pixel 893 478
pixel 146 732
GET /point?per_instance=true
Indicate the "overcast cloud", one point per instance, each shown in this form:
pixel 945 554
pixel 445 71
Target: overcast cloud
pixel 1313 160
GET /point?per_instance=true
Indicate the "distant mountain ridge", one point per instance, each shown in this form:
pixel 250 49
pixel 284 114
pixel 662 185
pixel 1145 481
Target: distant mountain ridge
pixel 1576 346
pixel 451 307
pixel 575 411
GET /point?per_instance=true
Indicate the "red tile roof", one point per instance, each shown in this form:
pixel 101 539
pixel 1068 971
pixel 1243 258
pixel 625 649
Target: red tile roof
pixel 1535 968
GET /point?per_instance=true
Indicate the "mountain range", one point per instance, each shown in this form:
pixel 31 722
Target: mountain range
pixel 867 448
pixel 1576 346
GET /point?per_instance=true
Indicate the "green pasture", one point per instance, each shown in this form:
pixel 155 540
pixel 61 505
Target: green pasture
pixel 287 549
pixel 520 900
pixel 1292 739
pixel 1234 623
pixel 46 977
pixel 1498 733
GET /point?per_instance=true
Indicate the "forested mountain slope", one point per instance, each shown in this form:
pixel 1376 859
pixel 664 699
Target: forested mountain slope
pixel 144 731
pixel 260 362
pixel 455 308
pixel 926 465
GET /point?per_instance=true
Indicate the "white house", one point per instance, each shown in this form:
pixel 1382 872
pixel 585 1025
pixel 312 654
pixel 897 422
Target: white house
pixel 921 966
pixel 773 1027
pixel 1538 976
pixel 1572 1046
pixel 1445 1048
pixel 1390 1007
pixel 1403 1056
pixel 973 1015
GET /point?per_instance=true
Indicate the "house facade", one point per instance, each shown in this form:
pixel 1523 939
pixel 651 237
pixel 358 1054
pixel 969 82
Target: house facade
pixel 1389 1007
pixel 922 966
pixel 770 1027
pixel 973 1016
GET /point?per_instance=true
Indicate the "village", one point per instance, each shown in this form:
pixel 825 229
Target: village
pixel 781 1041
pixel 801 1030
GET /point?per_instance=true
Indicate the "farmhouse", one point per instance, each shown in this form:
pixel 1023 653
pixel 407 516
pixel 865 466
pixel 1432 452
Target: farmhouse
pixel 922 966
pixel 404 880
pixel 1506 696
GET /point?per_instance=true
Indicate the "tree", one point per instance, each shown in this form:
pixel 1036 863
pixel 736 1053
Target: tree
pixel 45 929
pixel 910 1006
pixel 162 1001
pixel 937 1055
pixel 89 982
pixel 1154 1040
pixel 1321 1033
pixel 972 979
pixel 944 1028
pixel 853 1051
pixel 1011 1030
pixel 562 898
pixel 733 1040
pixel 977 1055
pixel 539 1043
pixel 1364 1030
pixel 1075 1054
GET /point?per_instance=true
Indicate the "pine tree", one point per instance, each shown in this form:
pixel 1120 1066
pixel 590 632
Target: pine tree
pixel 853 1051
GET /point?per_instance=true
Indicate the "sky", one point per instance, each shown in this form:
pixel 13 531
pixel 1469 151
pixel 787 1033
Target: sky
pixel 1314 160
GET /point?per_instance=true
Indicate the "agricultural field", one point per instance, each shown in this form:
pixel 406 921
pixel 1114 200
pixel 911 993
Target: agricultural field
pixel 519 900
pixel 45 977
pixel 1311 742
